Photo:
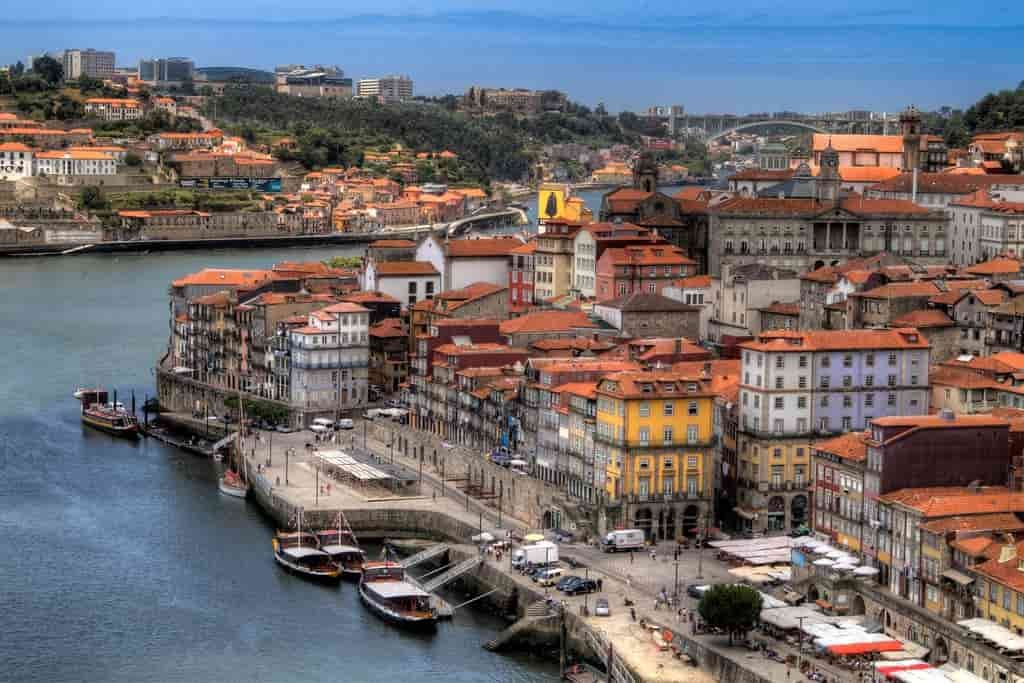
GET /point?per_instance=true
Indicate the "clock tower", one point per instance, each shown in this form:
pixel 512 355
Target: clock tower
pixel 910 126
pixel 827 182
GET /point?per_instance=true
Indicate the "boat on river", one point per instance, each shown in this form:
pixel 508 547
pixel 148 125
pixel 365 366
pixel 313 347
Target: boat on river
pixel 111 418
pixel 305 559
pixel 342 548
pixel 231 484
pixel 384 589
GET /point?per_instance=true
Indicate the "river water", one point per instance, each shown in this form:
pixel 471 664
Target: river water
pixel 121 561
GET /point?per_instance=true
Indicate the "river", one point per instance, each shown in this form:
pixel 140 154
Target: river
pixel 121 561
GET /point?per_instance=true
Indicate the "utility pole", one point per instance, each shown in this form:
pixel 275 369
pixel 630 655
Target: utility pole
pixel 700 549
pixel 800 644
pixel 287 453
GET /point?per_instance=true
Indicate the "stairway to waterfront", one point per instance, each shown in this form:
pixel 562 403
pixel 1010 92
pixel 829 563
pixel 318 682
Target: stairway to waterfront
pixel 455 572
pixel 535 613
pixel 425 555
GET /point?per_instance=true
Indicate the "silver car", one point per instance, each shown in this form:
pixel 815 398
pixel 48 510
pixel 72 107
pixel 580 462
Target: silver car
pixel 601 608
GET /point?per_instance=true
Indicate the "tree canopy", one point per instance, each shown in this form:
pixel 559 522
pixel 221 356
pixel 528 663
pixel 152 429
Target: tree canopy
pixel 333 131
pixel 1003 110
pixel 733 608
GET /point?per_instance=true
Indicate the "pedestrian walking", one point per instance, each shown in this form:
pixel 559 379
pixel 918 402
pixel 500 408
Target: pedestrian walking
pixel 600 585
pixel 631 556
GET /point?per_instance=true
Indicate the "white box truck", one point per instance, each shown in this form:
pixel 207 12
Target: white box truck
pixel 541 552
pixel 623 540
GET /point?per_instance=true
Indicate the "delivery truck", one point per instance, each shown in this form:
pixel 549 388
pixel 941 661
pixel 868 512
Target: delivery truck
pixel 623 541
pixel 541 552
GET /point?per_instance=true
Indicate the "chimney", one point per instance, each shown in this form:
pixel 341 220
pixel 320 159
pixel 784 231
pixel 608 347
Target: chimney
pixel 678 346
pixel 1008 551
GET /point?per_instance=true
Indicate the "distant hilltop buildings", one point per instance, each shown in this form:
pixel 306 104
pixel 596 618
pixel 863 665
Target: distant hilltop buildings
pixel 518 100
pixel 316 81
pixel 166 70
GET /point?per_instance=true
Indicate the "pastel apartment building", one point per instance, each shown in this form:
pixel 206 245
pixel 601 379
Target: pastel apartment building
pixel 798 387
pixel 114 109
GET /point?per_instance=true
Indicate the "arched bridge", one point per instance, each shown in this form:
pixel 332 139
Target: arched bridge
pixel 510 216
pixel 768 122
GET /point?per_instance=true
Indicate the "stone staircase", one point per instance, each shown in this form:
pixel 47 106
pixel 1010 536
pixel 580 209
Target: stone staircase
pixel 536 612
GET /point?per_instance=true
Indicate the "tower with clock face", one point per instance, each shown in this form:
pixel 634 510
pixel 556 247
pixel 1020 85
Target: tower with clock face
pixel 828 180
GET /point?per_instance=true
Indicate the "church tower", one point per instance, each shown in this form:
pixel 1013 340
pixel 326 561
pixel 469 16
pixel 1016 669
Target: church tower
pixel 645 173
pixel 910 126
pixel 827 182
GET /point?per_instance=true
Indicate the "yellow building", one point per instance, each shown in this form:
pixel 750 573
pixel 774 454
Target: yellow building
pixel 655 429
pixel 999 587
pixel 555 203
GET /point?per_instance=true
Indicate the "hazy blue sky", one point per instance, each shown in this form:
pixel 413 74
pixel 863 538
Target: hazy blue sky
pixel 754 55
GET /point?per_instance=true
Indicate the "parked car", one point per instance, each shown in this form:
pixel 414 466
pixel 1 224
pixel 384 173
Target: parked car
pixel 581 586
pixel 286 429
pixel 345 423
pixel 696 590
pixel 601 608
pixel 566 580
pixel 394 403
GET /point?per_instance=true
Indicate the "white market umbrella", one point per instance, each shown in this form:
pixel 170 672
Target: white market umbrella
pixel 835 554
pixel 485 537
pixel 865 571
pixel 824 562
pixel 844 567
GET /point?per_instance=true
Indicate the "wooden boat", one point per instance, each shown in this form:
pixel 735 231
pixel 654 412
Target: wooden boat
pixel 111 418
pixel 385 591
pixel 342 548
pixel 307 561
pixel 231 484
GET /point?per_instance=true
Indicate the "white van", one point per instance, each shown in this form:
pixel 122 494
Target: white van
pixel 321 425
pixel 549 577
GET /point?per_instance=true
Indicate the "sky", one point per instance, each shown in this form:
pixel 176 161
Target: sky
pixel 751 56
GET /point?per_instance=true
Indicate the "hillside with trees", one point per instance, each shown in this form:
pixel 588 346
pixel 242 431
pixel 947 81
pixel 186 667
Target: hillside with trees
pixel 331 131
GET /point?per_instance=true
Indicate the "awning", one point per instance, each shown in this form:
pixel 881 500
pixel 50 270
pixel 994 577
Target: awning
pixel 954 575
pixel 864 648
pixel 823 604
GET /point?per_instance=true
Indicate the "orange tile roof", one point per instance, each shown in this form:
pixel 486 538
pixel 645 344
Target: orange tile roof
pixel 78 154
pixel 695 282
pixel 1011 358
pixel 961 378
pixel 374 297
pixel 1006 573
pixel 867 174
pixel 837 340
pixel 851 446
pixel 14 147
pixel 975 546
pixel 661 383
pixel 781 308
pixel 643 255
pixel 224 276
pixel 939 422
pixel 897 290
pixel 397 268
pixel 528 248
pixel 923 319
pixel 482 248
pixel 691 193
pixel 997 266
pixel 997 521
pixel 886 144
pixel 949 501
pixel 546 321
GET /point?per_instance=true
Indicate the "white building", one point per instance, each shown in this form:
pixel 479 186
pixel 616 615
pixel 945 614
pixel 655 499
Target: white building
pixel 463 262
pixel 584 263
pixel 697 290
pixel 15 161
pixel 64 163
pixel 92 63
pixel 407 281
pixel 984 226
pixel 329 361
pixel 386 89
pixel 114 108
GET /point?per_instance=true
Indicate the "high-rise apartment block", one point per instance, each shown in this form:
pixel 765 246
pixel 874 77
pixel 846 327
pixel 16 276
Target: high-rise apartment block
pixel 88 62
pixel 386 89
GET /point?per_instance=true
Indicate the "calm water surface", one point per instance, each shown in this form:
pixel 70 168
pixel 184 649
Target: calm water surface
pixel 121 562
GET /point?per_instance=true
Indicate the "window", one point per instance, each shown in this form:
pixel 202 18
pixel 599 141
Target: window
pixel 692 434
pixel 666 436
pixel 826 362
pixel 891 400
pixel 869 360
pixel 847 401
pixel 825 382
pixel 847 380
pixel 645 409
pixel 848 360
pixel 802 382
pixel 913 379
pixel 892 359
pixel 778 382
pixel 801 401
pixel 869 381
pixel 803 362
pixel 780 361
pixel 645 435
pixel 691 409
pixel 801 426
pixel 823 424
pixel 778 402
pixel 847 424
pixel 869 400
pixel 824 401
pixel 778 426
pixel 412 287
pixel 892 380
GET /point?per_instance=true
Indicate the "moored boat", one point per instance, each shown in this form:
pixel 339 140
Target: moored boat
pixel 340 545
pixel 385 591
pixel 231 484
pixel 111 418
pixel 307 561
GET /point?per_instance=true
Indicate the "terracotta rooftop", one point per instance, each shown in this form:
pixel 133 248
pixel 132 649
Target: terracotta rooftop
pixel 850 446
pixel 547 321
pixel 998 521
pixel 392 244
pixel 949 501
pixel 640 302
pixel 694 282
pixel 224 276
pixel 885 144
pixel 945 183
pixel 370 297
pixel 482 248
pixel 997 266
pixel 897 290
pixel 780 308
pixel 399 268
pixel 656 384
pixel 961 378
pixel 837 340
pixel 1006 573
pixel 924 319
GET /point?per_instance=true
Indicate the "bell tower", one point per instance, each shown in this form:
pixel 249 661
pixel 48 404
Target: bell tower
pixel 645 173
pixel 910 127
pixel 827 182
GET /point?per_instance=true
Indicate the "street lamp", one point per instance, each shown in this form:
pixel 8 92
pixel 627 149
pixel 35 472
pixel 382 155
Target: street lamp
pixel 700 546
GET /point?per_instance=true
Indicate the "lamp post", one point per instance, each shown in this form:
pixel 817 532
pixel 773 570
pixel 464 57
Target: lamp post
pixel 700 548
pixel 800 644
pixel 287 454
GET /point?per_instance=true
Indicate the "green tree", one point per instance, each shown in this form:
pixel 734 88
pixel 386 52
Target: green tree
pixel 735 609
pixel 92 198
pixel 132 159
pixel 188 86
pixel 49 69
pixel 344 262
